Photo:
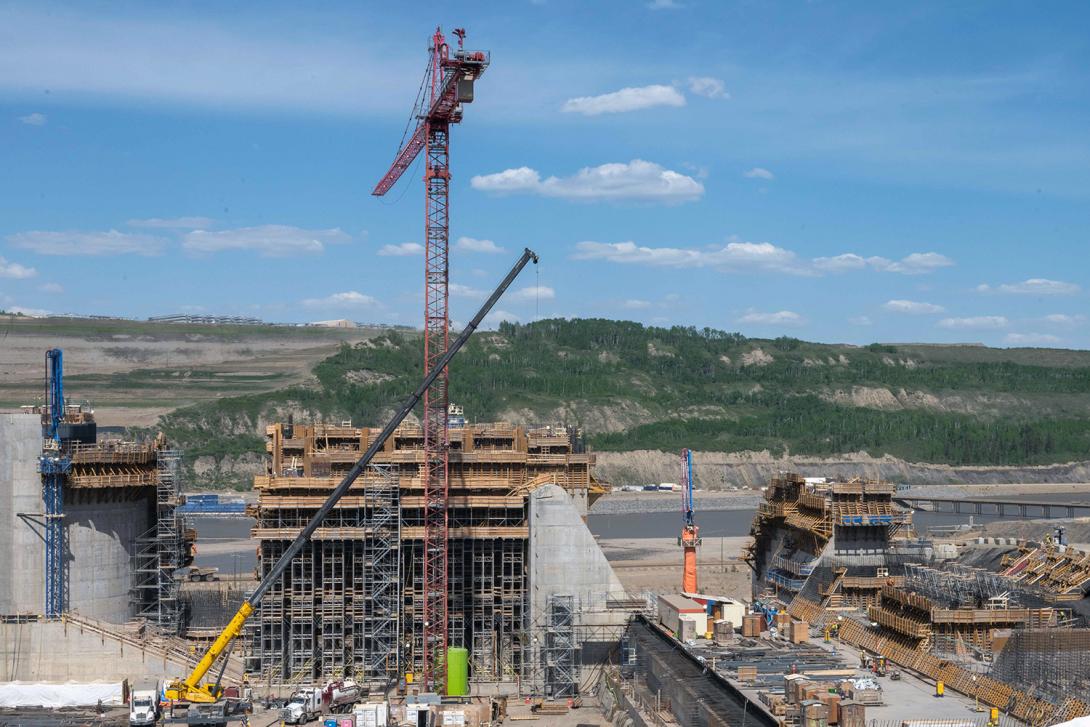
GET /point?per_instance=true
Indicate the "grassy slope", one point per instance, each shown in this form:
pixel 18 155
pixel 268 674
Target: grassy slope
pixel 691 388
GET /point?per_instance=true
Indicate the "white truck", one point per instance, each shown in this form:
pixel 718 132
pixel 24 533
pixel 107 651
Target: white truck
pixel 144 703
pixel 303 706
pixel 310 702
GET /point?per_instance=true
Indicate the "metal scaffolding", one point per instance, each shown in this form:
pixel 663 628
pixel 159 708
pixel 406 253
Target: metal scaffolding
pixel 381 571
pixel 959 586
pixel 336 612
pixel 160 551
pixel 1051 664
pixel 54 466
pixel 561 667
pixel 371 549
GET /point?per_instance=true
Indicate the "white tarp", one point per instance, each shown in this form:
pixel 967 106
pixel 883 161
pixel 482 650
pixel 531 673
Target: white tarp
pixel 69 694
pixel 1077 722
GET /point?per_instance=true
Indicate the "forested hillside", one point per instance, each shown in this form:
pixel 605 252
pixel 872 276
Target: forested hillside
pixel 636 387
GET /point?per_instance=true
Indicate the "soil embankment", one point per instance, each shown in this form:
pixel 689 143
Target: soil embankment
pixel 719 470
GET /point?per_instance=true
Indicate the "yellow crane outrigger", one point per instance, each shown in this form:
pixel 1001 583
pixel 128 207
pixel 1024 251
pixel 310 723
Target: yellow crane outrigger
pixel 190 688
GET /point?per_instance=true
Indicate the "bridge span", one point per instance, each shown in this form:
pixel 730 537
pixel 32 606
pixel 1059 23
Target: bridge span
pixel 995 507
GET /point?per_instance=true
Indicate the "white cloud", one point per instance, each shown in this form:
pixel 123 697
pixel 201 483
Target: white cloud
pixel 34 119
pixel 348 299
pixel 916 263
pixel 636 180
pixel 15 270
pixel 663 5
pixel 268 240
pixel 533 292
pixel 974 322
pixel 471 244
pixel 1032 286
pixel 464 291
pixel 522 179
pixel 732 256
pixel 708 87
pixel 88 243
pixel 840 263
pixel 1065 319
pixel 1031 339
pixel 740 255
pixel 402 250
pixel 860 320
pixel 778 318
pixel 32 312
pixel 173 223
pixel 625 100
pixel 759 173
pixel 636 304
pixel 912 307
pixel 54 288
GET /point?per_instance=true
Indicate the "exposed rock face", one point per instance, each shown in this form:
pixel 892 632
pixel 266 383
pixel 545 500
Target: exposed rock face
pixel 715 470
pixel 756 357
pixel 616 417
pixel 365 377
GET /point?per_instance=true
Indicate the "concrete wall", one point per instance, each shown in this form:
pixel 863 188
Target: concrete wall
pixel 100 537
pixel 54 651
pixel 22 544
pixel 565 560
pixel 100 528
pixel 860 545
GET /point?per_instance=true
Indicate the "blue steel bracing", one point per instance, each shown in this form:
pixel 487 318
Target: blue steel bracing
pixel 54 361
pixel 54 465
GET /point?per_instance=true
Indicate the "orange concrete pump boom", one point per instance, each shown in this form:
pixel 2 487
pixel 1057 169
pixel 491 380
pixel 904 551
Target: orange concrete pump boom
pixel 690 533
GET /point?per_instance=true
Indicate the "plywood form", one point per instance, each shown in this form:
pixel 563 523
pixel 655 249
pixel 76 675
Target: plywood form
pixel 493 467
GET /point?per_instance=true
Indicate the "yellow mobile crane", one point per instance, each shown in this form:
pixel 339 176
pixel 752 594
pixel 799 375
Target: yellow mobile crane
pixel 190 688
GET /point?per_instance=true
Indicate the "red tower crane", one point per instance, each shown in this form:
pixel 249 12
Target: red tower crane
pixel 447 84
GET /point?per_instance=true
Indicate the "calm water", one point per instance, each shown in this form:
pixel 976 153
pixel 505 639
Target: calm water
pixel 713 524
pixel 215 538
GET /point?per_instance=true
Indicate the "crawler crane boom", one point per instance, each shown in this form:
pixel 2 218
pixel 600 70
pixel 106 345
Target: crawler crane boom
pixel 190 688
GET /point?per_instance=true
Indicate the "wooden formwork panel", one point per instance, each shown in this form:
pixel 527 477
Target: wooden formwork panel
pixel 990 691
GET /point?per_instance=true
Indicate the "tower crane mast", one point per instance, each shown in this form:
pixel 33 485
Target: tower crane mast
pixel 448 83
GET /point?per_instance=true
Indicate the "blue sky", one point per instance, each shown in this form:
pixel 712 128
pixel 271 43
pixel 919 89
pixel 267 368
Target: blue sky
pixel 835 171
